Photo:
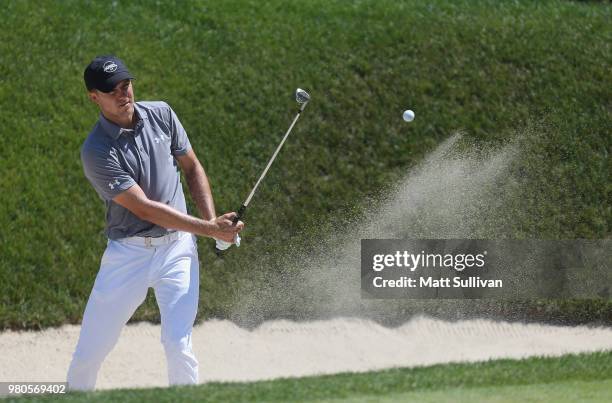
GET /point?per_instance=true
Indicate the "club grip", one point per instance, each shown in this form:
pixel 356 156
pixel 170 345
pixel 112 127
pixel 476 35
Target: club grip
pixel 239 215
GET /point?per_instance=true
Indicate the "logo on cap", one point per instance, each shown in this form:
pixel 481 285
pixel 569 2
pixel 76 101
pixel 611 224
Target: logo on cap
pixel 110 67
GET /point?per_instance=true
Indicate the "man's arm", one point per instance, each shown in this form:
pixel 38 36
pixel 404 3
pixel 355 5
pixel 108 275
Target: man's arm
pixel 135 200
pixel 198 184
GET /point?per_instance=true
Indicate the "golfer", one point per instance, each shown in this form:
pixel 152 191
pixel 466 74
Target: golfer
pixel 132 158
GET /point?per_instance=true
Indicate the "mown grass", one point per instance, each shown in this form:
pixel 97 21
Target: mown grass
pixel 491 68
pixel 532 378
pixel 566 392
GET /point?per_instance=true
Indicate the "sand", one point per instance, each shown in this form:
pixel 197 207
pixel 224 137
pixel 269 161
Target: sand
pixel 291 349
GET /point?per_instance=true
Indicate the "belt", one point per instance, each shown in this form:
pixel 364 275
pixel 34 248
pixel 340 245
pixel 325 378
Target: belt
pixel 153 241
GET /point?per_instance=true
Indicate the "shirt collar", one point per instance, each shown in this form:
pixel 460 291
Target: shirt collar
pixel 114 130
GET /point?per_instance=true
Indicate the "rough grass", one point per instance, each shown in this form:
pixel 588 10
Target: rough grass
pixel 582 376
pixel 229 68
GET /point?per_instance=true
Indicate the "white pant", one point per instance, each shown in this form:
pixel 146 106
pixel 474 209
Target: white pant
pixel 126 273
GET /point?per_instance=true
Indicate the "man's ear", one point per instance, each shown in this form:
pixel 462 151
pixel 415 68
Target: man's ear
pixel 93 96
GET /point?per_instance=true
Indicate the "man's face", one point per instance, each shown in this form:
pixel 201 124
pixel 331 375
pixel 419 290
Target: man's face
pixel 119 103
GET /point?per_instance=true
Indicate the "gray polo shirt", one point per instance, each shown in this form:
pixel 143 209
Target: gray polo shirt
pixel 114 159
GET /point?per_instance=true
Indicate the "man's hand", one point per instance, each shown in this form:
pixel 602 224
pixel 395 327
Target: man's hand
pixel 224 229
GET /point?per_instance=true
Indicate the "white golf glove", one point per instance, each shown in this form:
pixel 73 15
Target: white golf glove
pixel 222 245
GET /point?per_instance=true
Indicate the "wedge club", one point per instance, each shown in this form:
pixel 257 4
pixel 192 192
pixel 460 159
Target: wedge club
pixel 302 99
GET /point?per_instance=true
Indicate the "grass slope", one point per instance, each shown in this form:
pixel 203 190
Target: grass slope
pixel 581 375
pixel 228 69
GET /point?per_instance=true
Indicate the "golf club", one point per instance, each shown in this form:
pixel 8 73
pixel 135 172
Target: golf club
pixel 302 98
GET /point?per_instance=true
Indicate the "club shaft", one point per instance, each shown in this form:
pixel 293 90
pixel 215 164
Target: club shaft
pixel 248 200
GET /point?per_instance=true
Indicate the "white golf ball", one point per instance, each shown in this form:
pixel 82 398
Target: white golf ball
pixel 408 115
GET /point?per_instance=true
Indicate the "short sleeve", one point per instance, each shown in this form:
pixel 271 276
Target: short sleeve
pixel 180 142
pixel 105 174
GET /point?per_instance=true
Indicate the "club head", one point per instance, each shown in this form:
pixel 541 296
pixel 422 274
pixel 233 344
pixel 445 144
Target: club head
pixel 301 96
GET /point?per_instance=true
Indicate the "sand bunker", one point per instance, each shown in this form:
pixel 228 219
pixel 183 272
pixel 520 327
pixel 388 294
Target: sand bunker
pixel 452 194
pixel 290 349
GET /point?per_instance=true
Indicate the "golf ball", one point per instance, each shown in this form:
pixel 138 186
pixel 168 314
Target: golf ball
pixel 408 115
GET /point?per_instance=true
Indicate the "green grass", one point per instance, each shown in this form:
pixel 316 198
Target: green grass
pixel 570 377
pixel 494 69
pixel 598 391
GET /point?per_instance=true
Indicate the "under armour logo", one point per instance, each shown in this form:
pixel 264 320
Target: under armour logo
pixel 110 67
pixel 159 139
pixel 113 184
